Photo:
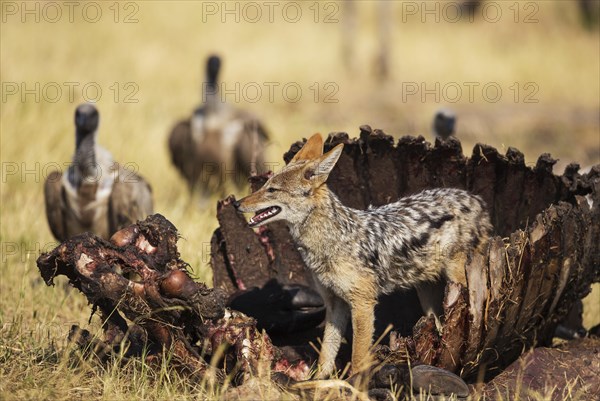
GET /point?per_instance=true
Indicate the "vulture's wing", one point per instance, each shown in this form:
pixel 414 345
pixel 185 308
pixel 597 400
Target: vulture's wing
pixel 54 198
pixel 130 200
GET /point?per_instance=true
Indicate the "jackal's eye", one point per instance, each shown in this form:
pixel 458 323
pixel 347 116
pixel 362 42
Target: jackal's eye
pixel 271 190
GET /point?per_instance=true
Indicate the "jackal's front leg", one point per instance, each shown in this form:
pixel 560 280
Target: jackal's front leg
pixel 363 327
pixel 336 320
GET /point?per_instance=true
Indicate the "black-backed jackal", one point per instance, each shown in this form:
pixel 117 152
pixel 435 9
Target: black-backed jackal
pixel 357 255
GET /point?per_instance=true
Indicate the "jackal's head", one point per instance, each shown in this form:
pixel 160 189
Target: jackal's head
pixel 296 190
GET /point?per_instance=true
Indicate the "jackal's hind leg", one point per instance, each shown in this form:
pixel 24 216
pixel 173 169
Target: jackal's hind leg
pixel 336 320
pixel 431 297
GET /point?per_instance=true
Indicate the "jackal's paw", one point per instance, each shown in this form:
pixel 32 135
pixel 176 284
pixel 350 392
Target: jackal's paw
pixel 321 375
pixel 360 380
pixel 324 371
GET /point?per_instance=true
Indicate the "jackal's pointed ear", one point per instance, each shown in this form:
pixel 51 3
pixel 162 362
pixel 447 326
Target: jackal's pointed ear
pixel 312 149
pixel 319 169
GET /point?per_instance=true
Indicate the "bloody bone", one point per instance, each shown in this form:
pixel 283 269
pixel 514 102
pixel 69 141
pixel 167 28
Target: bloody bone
pixel 169 309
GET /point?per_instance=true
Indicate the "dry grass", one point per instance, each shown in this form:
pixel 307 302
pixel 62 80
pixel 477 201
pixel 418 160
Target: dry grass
pixel 162 54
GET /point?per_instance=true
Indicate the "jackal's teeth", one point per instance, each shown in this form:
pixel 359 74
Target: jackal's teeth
pixel 263 215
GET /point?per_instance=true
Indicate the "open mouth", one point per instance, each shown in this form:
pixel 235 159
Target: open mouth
pixel 263 215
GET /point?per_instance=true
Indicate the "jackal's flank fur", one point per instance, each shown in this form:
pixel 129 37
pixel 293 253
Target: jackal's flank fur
pixel 356 255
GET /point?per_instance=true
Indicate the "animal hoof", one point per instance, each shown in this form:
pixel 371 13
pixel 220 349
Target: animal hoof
pixel 303 297
pixel 568 333
pixel 437 381
pixel 281 309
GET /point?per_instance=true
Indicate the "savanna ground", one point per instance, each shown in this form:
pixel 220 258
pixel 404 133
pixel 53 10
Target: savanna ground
pixel 149 71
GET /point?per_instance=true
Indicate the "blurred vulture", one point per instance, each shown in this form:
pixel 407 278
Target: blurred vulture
pixel 444 124
pixel 95 194
pixel 218 143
